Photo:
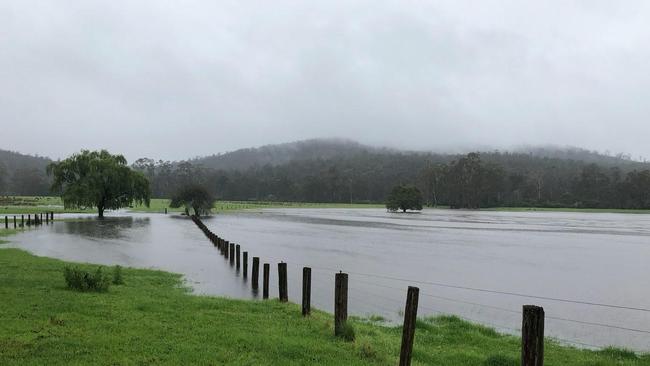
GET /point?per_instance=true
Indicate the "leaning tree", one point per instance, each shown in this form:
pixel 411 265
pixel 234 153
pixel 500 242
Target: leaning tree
pixel 98 179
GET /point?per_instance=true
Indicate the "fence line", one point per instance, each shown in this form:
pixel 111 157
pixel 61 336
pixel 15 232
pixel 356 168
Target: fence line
pixel 533 316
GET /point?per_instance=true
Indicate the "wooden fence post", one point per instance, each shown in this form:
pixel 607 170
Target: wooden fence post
pixel 532 336
pixel 267 273
pixel 306 291
pixel 340 302
pixel 52 215
pixel 232 253
pixel 47 218
pixel 14 221
pixel 282 282
pixel 40 220
pixel 165 210
pixel 408 329
pixel 225 248
pixel 6 222
pixel 29 219
pixel 245 264
pixel 256 273
pixel 237 249
pixel 22 220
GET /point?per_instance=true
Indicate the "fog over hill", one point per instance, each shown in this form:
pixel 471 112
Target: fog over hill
pixel 327 148
pixel 340 170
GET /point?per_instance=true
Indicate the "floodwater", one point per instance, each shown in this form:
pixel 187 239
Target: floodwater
pixel 581 267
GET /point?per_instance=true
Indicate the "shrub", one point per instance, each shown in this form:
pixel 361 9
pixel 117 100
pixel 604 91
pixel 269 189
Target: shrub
pixel 117 276
pixel 80 280
pixel 347 332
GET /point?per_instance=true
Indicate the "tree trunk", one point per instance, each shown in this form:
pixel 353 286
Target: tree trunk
pixel 403 210
pixel 100 211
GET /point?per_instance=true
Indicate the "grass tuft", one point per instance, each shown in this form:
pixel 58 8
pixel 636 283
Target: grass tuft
pixel 85 281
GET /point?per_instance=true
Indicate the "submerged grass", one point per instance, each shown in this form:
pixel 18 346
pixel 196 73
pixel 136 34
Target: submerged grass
pixel 152 319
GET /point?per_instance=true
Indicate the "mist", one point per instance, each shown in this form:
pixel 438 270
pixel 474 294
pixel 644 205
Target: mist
pixel 173 81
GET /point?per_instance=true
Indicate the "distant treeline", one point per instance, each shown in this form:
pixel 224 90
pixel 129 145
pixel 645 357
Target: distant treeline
pixel 470 181
pixel 343 171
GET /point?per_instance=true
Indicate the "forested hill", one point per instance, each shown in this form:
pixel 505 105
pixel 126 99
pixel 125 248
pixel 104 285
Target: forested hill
pixel 344 171
pixel 284 153
pixel 22 174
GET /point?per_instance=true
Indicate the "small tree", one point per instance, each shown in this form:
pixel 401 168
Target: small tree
pixel 99 179
pixel 195 197
pixel 404 198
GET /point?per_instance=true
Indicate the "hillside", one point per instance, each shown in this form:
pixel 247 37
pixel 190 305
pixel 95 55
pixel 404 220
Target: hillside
pixel 22 174
pixel 284 153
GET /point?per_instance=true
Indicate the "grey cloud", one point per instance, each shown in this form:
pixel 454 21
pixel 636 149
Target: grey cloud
pixel 176 80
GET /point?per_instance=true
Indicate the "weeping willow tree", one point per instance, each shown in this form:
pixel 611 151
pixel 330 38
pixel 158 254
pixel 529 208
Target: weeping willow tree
pixel 98 179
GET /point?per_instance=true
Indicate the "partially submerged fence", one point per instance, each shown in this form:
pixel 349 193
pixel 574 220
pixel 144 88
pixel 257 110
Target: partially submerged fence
pixel 532 317
pixel 19 221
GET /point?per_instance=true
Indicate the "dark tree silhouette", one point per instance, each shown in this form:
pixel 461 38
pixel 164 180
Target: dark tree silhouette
pixel 193 196
pixel 404 198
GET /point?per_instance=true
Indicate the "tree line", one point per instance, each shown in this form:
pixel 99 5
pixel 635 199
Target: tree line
pixel 474 180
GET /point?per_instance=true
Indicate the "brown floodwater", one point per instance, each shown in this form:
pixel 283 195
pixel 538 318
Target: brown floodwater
pixel 474 264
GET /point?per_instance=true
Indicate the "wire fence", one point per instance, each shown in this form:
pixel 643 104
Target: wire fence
pixel 391 296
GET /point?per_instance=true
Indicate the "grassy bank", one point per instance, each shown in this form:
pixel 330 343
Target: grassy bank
pixel 151 319
pixel 30 205
pixel 159 205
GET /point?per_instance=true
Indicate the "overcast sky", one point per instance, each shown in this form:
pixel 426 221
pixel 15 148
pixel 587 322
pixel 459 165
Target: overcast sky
pixel 177 79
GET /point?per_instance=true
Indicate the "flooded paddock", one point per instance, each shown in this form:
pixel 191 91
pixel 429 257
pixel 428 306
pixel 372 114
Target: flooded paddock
pixel 589 271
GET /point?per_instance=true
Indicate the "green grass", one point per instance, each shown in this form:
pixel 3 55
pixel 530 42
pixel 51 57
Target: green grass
pixel 29 205
pixel 152 319
pixel 17 205
pixel 159 204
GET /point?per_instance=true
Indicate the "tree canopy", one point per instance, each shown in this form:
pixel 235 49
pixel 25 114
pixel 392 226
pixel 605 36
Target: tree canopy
pixel 98 179
pixel 193 196
pixel 404 198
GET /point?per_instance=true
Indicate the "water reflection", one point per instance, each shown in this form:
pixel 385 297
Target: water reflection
pixel 120 227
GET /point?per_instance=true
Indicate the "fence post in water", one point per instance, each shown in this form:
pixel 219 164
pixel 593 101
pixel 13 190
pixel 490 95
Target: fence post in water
pixel 237 259
pixel 245 264
pixel 256 273
pixel 532 336
pixel 47 218
pixel 6 222
pixel 225 248
pixel 41 219
pixel 165 210
pixel 29 219
pixel 14 221
pixel 282 282
pixel 22 220
pixel 232 253
pixel 408 329
pixel 306 291
pixel 52 213
pixel 340 302
pixel 265 284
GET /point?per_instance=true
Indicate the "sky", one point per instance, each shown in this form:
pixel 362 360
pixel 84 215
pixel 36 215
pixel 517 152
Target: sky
pixel 175 80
